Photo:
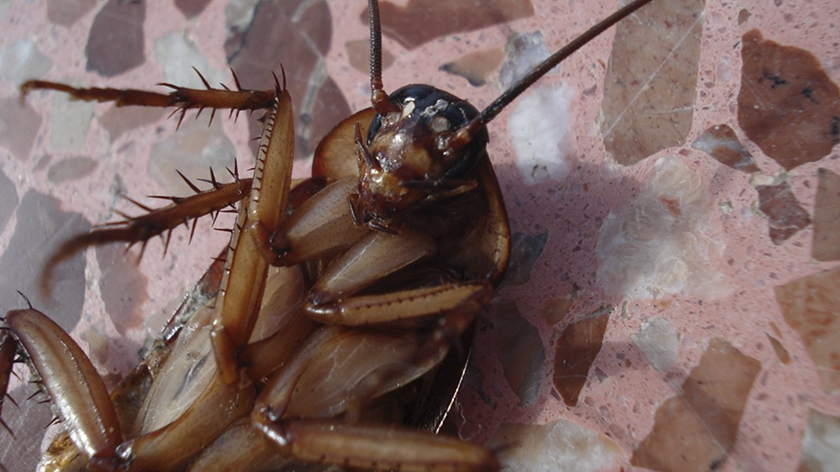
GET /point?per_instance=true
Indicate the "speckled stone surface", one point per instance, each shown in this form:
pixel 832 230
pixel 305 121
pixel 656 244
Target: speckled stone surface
pixel 672 188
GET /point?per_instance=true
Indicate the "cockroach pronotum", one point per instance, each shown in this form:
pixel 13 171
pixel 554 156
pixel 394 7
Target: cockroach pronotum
pixel 384 257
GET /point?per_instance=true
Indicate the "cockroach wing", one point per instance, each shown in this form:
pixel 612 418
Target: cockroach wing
pixel 372 258
pixel 185 375
pixel 338 369
pixel 281 326
pixel 284 289
pixel 320 227
pixel 243 448
pixel 191 365
pixel 485 251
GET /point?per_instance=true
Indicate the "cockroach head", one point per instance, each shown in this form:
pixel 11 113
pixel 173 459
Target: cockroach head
pixel 410 157
pixel 424 143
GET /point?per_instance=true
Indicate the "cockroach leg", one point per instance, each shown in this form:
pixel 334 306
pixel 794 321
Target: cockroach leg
pixel 320 227
pixel 374 257
pixel 369 447
pixel 74 386
pixel 346 361
pixel 238 303
pixel 241 448
pixel 178 441
pixel 352 367
pixel 263 357
pixel 165 436
pixel 181 98
pixel 8 351
pixel 153 450
pixel 158 222
pixel 400 306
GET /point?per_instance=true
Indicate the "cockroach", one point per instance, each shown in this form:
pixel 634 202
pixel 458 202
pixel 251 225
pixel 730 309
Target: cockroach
pixel 383 259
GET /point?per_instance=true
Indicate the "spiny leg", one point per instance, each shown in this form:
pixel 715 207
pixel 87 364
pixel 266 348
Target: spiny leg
pixel 245 271
pixel 160 221
pixel 352 367
pixel 71 381
pixel 157 222
pixel 181 98
pixel 375 447
pixel 440 316
pixel 8 351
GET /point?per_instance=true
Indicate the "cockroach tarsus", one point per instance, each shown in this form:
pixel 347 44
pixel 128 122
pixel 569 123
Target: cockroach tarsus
pixel 379 271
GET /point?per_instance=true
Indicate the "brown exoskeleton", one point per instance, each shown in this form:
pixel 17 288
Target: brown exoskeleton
pixel 386 264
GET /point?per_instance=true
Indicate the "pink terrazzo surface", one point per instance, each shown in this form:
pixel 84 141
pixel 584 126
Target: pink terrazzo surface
pixel 733 290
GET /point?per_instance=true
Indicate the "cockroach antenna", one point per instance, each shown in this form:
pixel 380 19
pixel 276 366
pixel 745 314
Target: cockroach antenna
pixel 465 133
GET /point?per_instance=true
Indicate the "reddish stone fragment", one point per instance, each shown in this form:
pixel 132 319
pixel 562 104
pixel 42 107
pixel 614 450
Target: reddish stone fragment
pixel 115 43
pixel 696 430
pixel 649 98
pixel 809 306
pixel 520 352
pixel 19 126
pixel 577 349
pixel 120 120
pixel 787 104
pixel 67 12
pixel 284 36
pixel 123 287
pixel 721 143
pixel 784 213
pixel 555 309
pixel 358 55
pixel 826 245
pixel 41 227
pixel 70 169
pixel 779 349
pixel 444 18
pixel 191 8
pixel 477 67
